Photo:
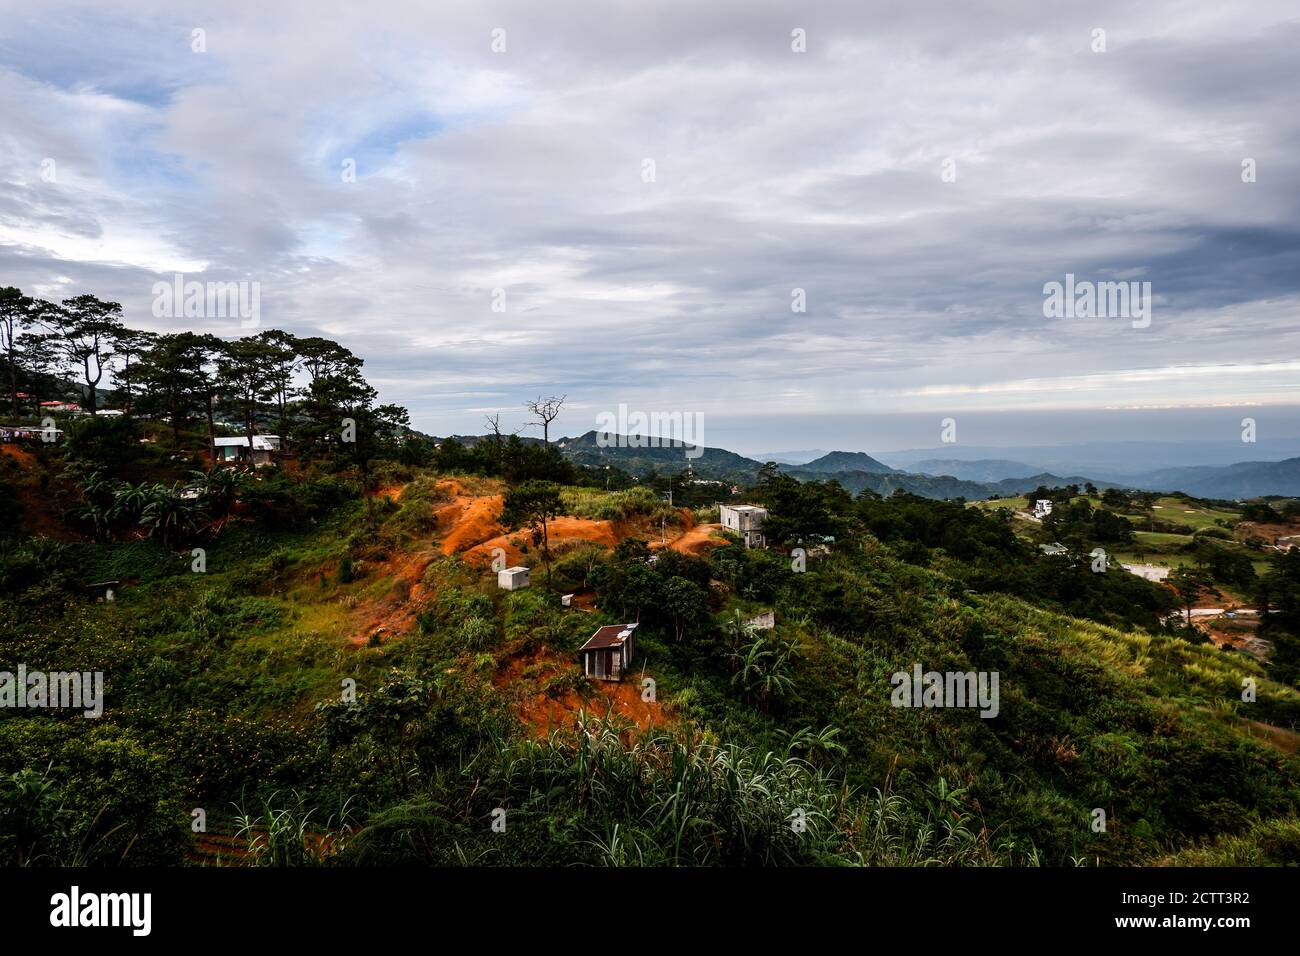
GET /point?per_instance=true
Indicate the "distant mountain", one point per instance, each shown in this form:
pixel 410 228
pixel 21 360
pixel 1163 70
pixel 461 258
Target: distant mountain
pixel 1245 479
pixel 625 451
pixel 983 469
pixel 927 486
pixel 835 461
pixel 791 457
pixel 854 470
pixel 1118 461
pixel 937 486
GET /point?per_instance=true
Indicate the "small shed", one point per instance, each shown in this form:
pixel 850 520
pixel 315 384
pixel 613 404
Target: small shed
pixel 513 579
pixel 232 451
pixel 103 590
pixel 608 653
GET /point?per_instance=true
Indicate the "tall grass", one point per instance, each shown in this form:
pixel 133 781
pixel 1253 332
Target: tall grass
pixel 597 505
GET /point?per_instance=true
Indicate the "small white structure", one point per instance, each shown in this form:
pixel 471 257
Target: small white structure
pixel 110 413
pixel 513 579
pixel 1054 548
pixel 566 600
pixel 235 450
pixel 1042 508
pixel 763 622
pixel 746 521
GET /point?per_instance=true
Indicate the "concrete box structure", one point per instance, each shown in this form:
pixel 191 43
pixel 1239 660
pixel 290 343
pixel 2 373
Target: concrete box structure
pixel 513 579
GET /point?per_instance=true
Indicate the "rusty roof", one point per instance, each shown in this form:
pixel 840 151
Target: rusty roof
pixel 611 635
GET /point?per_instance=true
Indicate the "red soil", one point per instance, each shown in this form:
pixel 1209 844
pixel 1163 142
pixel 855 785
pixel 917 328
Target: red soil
pixel 696 539
pixel 543 713
pixel 40 516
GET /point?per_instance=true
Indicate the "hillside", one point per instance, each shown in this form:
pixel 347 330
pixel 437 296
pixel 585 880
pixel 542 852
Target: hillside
pixel 223 688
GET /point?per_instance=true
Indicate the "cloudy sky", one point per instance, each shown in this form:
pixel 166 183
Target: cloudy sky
pixel 527 170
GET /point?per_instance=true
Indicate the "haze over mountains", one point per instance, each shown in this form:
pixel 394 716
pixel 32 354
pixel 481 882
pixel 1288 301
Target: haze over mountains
pixel 923 472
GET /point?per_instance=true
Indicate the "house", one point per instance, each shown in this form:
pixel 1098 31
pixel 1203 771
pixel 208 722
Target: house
pixel 1054 548
pixel 608 653
pixel 513 579
pixel 1042 508
pixel 110 413
pixel 232 451
pixel 61 406
pixel 745 521
pixel 762 622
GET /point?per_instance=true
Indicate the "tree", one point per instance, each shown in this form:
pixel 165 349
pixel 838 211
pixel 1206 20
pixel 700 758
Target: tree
pixel 533 505
pixel 686 604
pixel 88 329
pixel 244 367
pixel 1189 582
pixel 132 345
pixel 545 410
pixel 179 373
pixel 282 362
pixel 15 316
pixel 38 360
pixel 762 663
pixel 169 514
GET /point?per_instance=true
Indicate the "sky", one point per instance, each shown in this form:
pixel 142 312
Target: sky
pixel 625 203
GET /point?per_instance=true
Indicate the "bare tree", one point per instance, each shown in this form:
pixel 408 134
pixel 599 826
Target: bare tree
pixel 493 423
pixel 545 410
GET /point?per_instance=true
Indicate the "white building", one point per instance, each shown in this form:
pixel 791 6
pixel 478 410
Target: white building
pixel 745 521
pixel 235 450
pixel 1042 508
pixel 513 579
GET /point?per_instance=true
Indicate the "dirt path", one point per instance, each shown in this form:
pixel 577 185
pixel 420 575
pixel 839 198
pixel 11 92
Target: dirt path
pixel 695 540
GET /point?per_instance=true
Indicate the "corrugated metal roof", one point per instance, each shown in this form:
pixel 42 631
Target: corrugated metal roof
pixel 611 635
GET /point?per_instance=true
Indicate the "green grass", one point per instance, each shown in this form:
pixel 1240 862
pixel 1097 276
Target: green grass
pixel 1194 515
pixel 1015 504
pixel 598 505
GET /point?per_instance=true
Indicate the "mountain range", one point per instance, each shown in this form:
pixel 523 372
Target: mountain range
pixel 930 477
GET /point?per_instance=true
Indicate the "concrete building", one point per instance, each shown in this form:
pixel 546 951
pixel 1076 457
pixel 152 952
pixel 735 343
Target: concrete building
pixel 513 579
pixel 745 521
